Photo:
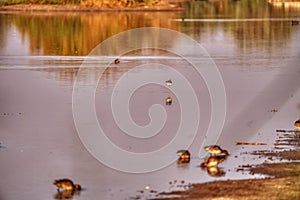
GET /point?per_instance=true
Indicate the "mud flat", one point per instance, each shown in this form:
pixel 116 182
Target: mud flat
pixel 283 180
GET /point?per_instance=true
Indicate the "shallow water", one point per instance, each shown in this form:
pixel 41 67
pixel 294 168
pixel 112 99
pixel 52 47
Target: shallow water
pixel 253 45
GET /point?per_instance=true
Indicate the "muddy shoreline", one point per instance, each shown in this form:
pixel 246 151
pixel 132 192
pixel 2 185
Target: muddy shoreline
pixel 283 180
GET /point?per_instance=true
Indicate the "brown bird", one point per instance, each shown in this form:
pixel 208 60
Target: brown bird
pixel 216 150
pixel 168 101
pixel 117 61
pixel 168 82
pixel 66 185
pixel 297 124
pixel 184 156
pixel 213 161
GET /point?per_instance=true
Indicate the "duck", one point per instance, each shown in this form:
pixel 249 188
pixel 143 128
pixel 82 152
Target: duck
pixel 215 171
pixel 117 61
pixel 184 156
pixel 216 150
pixel 66 185
pixel 212 161
pixel 295 22
pixel 168 101
pixel 168 82
pixel 297 124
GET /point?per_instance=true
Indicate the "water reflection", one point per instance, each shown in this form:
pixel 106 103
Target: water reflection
pixel 215 171
pixel 241 9
pixel 78 34
pixel 256 25
pixel 4 25
pixel 66 194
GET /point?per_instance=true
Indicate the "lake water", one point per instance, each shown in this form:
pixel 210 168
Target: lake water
pixel 252 44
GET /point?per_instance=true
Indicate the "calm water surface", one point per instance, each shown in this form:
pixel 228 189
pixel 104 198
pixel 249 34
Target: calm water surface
pixel 252 43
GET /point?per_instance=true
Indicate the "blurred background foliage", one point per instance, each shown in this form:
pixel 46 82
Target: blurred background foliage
pixel 100 3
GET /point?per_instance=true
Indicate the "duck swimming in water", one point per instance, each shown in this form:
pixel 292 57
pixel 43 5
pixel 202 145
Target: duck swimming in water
pixel 216 150
pixel 184 156
pixel 168 82
pixel 66 185
pixel 213 161
pixel 117 61
pixel 168 101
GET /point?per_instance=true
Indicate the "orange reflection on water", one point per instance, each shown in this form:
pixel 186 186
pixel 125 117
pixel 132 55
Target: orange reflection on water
pixel 72 34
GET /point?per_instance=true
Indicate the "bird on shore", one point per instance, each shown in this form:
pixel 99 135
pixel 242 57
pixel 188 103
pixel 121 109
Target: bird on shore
pixel 66 185
pixel 184 156
pixel 212 161
pixel 168 101
pixel 216 150
pixel 297 124
pixel 295 22
pixel 168 82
